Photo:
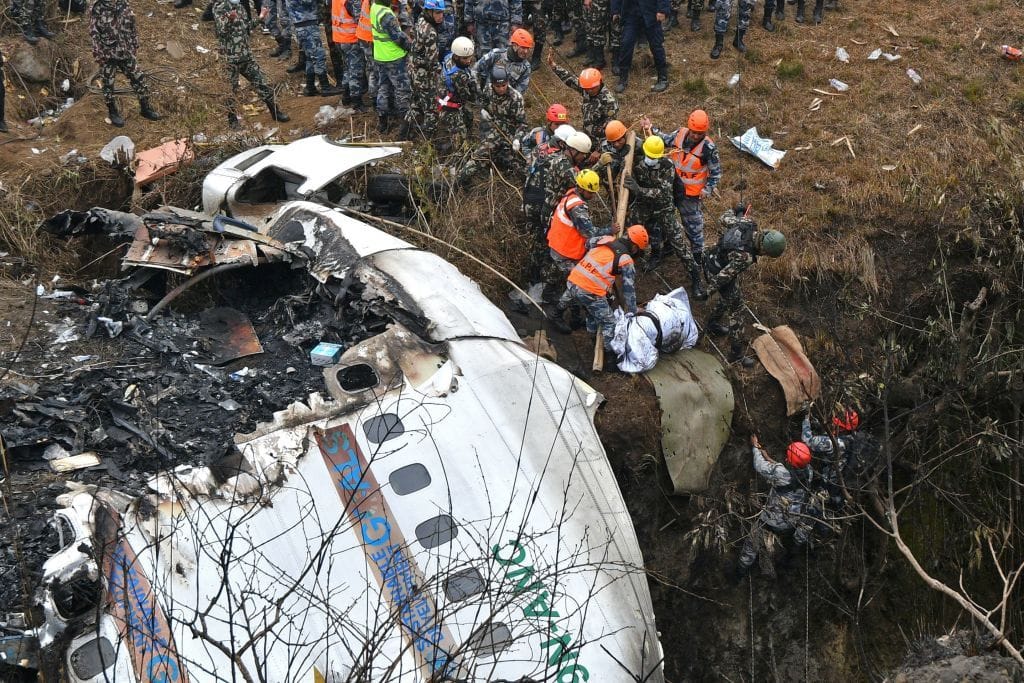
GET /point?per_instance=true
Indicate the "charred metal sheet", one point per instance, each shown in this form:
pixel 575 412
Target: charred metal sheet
pixel 94 221
pixel 152 252
pixel 229 333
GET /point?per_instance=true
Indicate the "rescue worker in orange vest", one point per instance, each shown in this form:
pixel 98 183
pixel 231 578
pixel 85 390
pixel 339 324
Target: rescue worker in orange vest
pixel 698 172
pixel 345 23
pixel 592 280
pixel 571 231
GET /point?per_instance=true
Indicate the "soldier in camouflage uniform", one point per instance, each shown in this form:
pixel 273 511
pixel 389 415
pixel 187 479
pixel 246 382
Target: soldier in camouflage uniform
pixel 650 186
pixel 548 177
pixel 114 44
pixel 595 20
pixel 723 11
pixel 425 70
pixel 280 28
pixel 515 59
pixel 591 281
pixel 232 27
pixel 599 104
pixel 460 91
pixel 490 22
pixel 504 114
pixel 737 250
pixel 535 14
pixel 29 14
pixel 306 22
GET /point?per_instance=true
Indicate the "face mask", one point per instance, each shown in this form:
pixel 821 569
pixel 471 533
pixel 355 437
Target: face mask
pixel 650 163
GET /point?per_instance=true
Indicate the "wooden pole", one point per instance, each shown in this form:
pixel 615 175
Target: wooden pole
pixel 598 365
pixel 623 194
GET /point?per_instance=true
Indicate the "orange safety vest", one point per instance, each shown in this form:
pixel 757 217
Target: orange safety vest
pixel 343 24
pixel 363 30
pixel 596 272
pixel 563 236
pixel 689 165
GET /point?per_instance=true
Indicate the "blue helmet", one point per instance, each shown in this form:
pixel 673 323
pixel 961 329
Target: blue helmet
pixel 434 5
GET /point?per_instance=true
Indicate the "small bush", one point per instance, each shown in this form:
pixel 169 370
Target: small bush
pixel 788 70
pixel 974 91
pixel 696 87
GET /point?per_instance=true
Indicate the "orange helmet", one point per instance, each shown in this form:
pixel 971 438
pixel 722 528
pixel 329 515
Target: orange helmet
pixel 614 130
pixel 590 78
pixel 522 38
pixel 637 234
pixel 798 455
pixel 698 121
pixel 848 422
pixel 557 113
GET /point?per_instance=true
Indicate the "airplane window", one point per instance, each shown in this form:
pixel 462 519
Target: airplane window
pixel 380 428
pixel 436 531
pixel 464 585
pixel 491 639
pixel 357 377
pixel 409 479
pixel 92 658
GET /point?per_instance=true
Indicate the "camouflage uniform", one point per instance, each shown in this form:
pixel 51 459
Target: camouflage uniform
pixel 393 77
pixel 277 20
pixel 114 44
pixel 615 31
pixel 447 31
pixel 690 207
pixel 28 13
pixel 460 91
pixel 507 123
pixel 232 28
pixel 535 14
pixel 305 21
pixel 493 20
pixel 618 158
pixel 425 75
pixel 596 22
pixel 724 265
pixel 597 110
pixel 723 11
pixel 518 70
pixel 599 311
pixel 355 59
pixel 337 56
pixel 653 208
pixel 786 507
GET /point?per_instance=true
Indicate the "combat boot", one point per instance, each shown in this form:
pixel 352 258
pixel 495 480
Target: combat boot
pixel 346 98
pixel 738 43
pixel 695 22
pixel 357 104
pixel 581 47
pixel 672 21
pixel 556 316
pixel 29 34
pixel 182 4
pixel 716 329
pixel 767 21
pixel 326 89
pixel 538 48
pixel 623 83
pixel 559 36
pixel 597 58
pixel 233 122
pixel 284 45
pixel 405 130
pixel 736 355
pixel 208 12
pixel 382 123
pixel 43 31
pixel 147 110
pixel 662 84
pixel 780 10
pixel 818 10
pixel 299 65
pixel 310 89
pixel 800 16
pixel 276 113
pixel 716 51
pixel 697 282
pixel 654 260
pixel 116 120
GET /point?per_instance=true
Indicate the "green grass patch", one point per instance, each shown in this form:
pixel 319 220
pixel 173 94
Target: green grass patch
pixel 696 87
pixel 789 70
pixel 974 91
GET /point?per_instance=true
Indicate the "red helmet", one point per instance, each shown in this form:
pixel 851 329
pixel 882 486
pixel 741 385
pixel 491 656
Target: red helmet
pixel 557 113
pixel 848 421
pixel 798 455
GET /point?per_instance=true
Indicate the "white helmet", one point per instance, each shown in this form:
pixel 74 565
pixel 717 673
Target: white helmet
pixel 579 142
pixel 462 47
pixel 564 131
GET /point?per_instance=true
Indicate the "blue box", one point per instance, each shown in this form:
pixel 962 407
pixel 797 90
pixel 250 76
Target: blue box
pixel 325 353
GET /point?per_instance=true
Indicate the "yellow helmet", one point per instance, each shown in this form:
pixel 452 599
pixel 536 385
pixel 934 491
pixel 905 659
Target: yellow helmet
pixel 654 147
pixel 588 180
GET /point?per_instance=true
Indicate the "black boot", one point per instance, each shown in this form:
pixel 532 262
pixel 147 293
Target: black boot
pixel 233 122
pixel 276 113
pixel 357 104
pixel 116 120
pixel 623 83
pixel 780 10
pixel 147 110
pixel 767 21
pixel 581 46
pixel 299 65
pixel 716 329
pixel 597 58
pixel 181 4
pixel 716 51
pixel 654 260
pixel 346 98
pixel 326 89
pixel 538 49
pixel 283 45
pixel 208 12
pixel 559 36
pixel 738 43
pixel 29 34
pixel 556 316
pixel 672 21
pixel 736 355
pixel 310 89
pixel 800 16
pixel 616 69
pixel 699 293
pixel 695 22
pixel 43 31
pixel 382 123
pixel 662 84
pixel 818 11
pixel 405 130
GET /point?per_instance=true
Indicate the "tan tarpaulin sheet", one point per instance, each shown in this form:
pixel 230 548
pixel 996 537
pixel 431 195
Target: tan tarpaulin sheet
pixel 783 357
pixel 696 413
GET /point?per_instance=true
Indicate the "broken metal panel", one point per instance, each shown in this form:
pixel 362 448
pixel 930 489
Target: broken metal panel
pixel 149 251
pixel 696 402
pixel 230 333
